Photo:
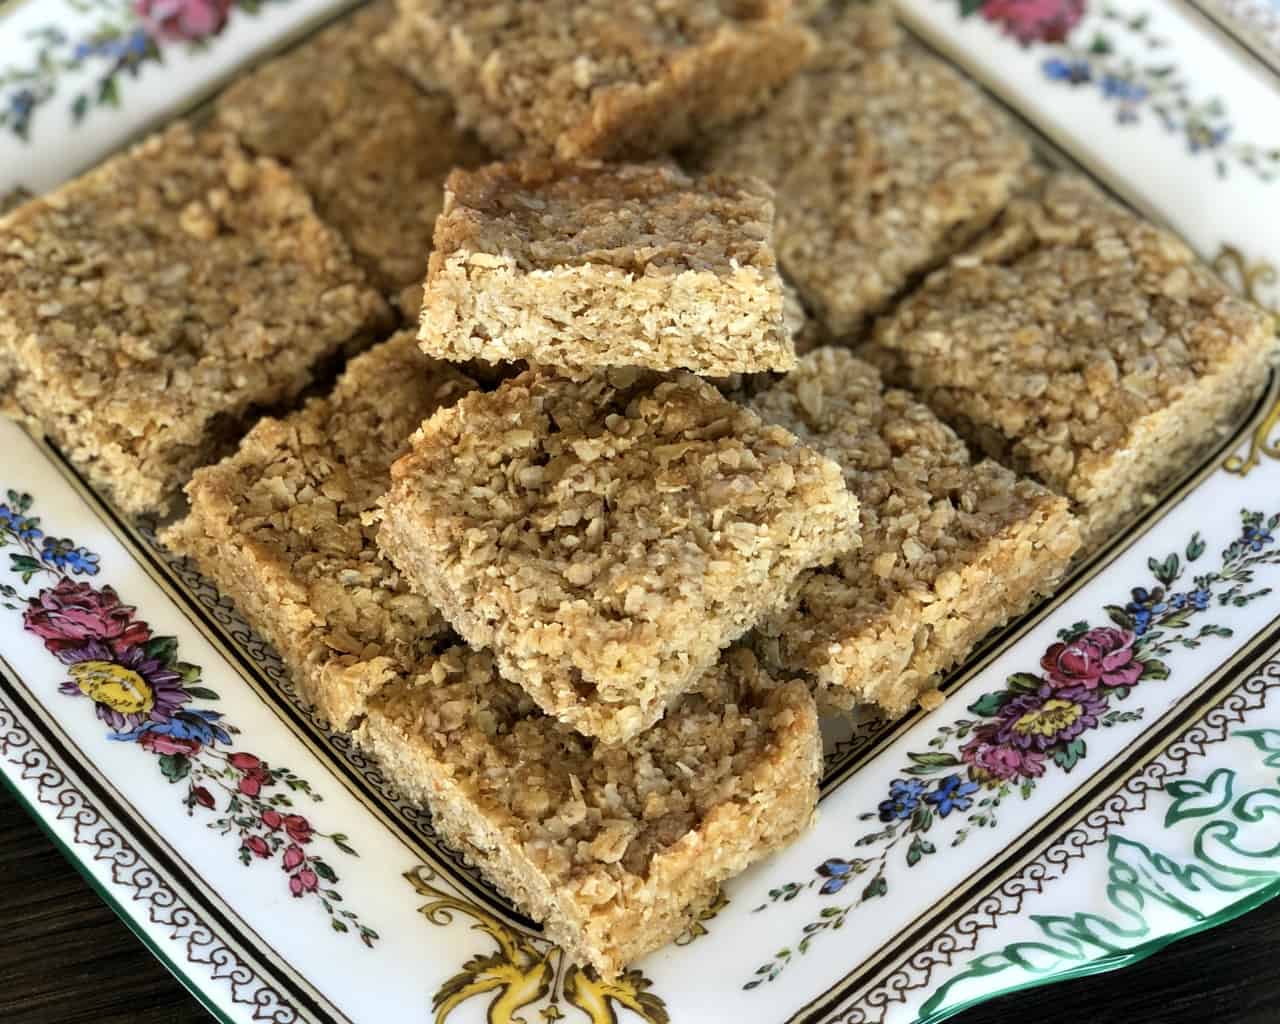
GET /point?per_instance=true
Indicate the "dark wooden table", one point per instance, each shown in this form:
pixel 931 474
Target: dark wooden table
pixel 65 958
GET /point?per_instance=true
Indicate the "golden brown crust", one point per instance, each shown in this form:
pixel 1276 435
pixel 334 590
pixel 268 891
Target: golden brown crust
pixel 884 160
pixel 949 550
pixel 151 305
pixel 372 149
pixel 585 265
pixel 278 109
pixel 1082 345
pixel 613 848
pixel 591 78
pixel 278 527
pixel 608 536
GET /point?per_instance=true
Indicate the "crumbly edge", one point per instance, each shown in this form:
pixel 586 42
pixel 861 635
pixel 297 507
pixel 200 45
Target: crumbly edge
pixel 894 661
pixel 114 437
pixel 265 592
pixel 727 76
pixel 1164 445
pixel 137 489
pixel 920 192
pixel 731 75
pixel 806 334
pixel 150 487
pixel 336 674
pixel 1108 484
pixel 949 550
pixel 681 879
pixel 419 545
pixel 479 306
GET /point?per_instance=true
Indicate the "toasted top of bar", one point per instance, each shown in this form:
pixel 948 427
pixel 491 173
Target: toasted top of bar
pixel 550 65
pixel 884 161
pixel 910 472
pixel 592 817
pixel 639 218
pixel 278 109
pixel 885 441
pixel 1065 325
pixel 852 31
pixel 370 146
pixel 296 490
pixel 183 269
pixel 923 503
pixel 611 516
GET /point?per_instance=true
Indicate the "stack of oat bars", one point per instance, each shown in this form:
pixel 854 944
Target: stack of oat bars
pixel 581 552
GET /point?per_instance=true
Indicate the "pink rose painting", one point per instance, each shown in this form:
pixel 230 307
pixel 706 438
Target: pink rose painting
pixel 1102 656
pixel 1035 21
pixel 183 20
pixel 991 761
pixel 73 613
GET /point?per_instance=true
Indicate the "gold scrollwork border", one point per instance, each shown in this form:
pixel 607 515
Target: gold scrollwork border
pixel 527 971
pixel 1252 280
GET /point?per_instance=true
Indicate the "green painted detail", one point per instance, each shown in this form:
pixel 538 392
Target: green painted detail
pixel 1154 898
pixel 1267 740
pixel 1194 799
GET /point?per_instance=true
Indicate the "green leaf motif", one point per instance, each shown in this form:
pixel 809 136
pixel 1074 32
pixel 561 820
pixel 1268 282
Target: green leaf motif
pixel 935 760
pixel 1167 571
pixel 1153 668
pixel 108 93
pixel 1100 46
pixel 989 704
pixel 323 870
pixel 190 673
pixel 175 767
pixel 1076 629
pixel 1066 757
pixel 202 692
pixel 919 848
pixel 969 7
pixel 1266 740
pixel 25 564
pixel 1193 799
pixel 165 648
pixel 1025 682
pixel 1119 616
pixel 878 886
pixel 1195 547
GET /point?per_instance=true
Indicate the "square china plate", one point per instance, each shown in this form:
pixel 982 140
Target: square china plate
pixel 274 870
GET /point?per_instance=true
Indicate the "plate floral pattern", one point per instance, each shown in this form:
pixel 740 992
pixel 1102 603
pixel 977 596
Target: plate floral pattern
pixel 1126 61
pixel 126 37
pixel 145 695
pixel 1036 722
pixel 254 851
